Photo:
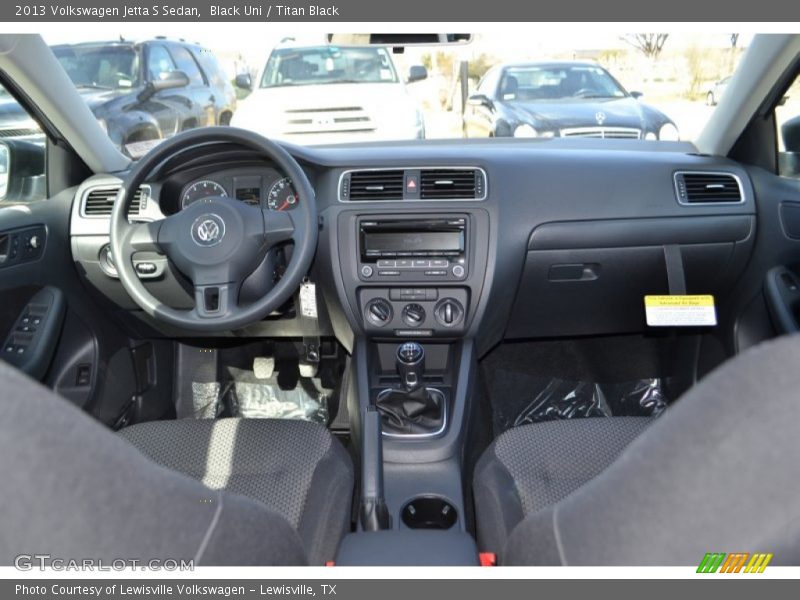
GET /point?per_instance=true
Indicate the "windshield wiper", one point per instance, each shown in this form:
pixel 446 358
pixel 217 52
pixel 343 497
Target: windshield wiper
pixel 92 86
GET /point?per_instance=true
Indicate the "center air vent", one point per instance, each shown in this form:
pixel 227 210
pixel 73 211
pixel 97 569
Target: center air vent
pixel 373 185
pixel 449 184
pixel 99 201
pixel 708 188
pixel 414 183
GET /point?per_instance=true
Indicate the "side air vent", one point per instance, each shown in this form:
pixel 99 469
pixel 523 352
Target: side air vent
pixel 99 201
pixel 449 184
pixel 708 188
pixel 373 185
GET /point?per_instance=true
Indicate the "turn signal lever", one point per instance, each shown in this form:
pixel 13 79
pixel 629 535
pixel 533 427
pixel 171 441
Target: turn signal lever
pixel 374 514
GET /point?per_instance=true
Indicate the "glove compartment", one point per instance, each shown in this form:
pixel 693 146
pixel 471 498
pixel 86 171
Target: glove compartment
pixel 590 277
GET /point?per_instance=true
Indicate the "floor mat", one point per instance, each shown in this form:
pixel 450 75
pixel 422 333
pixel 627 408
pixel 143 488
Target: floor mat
pixel 534 382
pixel 242 394
pixel 528 399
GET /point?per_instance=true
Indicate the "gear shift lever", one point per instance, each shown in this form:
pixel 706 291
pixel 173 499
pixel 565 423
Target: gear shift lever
pixel 411 408
pixel 411 365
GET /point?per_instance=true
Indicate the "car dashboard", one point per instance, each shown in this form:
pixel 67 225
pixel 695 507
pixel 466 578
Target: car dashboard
pixel 448 240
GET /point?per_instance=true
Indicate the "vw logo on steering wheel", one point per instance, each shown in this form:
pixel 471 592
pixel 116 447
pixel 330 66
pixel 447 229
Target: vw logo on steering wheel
pixel 208 230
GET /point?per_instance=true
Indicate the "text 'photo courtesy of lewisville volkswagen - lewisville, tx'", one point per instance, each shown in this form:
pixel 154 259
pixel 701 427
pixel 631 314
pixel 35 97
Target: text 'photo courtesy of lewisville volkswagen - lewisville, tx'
pixel 313 300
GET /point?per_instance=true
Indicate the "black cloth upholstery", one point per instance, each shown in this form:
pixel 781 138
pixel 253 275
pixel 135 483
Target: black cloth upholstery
pixel 279 463
pixel 718 472
pixel 529 468
pixel 73 489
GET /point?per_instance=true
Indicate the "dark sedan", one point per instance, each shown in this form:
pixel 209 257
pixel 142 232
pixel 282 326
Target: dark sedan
pixel 141 93
pixel 560 99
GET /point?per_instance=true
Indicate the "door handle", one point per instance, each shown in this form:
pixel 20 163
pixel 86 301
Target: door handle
pixel 782 292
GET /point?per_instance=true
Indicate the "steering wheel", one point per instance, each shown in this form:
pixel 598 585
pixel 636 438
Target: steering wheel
pixel 216 242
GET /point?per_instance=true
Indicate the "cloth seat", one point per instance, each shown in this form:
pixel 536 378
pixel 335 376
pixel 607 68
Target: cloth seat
pixel 718 472
pixel 226 492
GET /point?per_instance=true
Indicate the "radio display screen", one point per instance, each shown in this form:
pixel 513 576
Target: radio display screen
pixel 413 241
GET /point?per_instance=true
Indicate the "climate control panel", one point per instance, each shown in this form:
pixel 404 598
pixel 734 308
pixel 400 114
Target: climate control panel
pixel 414 312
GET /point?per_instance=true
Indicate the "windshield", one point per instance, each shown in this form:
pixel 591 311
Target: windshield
pixel 328 64
pixel 524 84
pixel 107 67
pixel 552 83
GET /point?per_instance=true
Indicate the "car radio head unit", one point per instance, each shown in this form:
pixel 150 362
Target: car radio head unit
pixel 413 249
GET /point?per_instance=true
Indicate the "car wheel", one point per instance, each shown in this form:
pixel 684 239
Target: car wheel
pixel 710 100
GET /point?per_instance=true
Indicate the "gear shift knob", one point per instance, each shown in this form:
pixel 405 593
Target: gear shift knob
pixel 411 365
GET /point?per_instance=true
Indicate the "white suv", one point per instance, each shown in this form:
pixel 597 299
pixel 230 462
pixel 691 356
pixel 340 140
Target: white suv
pixel 331 94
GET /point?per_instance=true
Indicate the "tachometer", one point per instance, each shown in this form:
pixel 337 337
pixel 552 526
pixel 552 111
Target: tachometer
pixel 201 189
pixel 282 195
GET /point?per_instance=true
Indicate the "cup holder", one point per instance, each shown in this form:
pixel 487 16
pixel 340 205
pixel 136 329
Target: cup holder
pixel 429 512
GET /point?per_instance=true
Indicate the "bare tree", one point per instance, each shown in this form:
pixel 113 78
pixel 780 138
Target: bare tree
pixel 734 40
pixel 649 44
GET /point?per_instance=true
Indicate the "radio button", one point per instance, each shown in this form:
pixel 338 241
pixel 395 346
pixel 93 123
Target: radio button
pixel 386 263
pixel 442 262
pixel 366 271
pixel 422 263
pixel 437 273
pixel 388 273
pixel 458 271
pixel 403 263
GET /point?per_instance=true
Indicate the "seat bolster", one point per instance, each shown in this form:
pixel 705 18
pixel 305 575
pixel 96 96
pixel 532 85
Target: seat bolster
pixel 326 512
pixel 497 503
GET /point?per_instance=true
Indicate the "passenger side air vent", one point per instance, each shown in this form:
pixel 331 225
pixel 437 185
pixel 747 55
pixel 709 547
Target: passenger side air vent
pixel 449 184
pixel 708 188
pixel 372 185
pixel 99 201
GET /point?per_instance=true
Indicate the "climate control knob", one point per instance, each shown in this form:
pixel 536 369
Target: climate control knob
pixel 379 312
pixel 448 312
pixel 413 315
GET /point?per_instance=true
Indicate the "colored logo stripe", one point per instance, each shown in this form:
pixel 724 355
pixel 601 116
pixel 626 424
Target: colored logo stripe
pixel 758 563
pixel 734 563
pixel 711 562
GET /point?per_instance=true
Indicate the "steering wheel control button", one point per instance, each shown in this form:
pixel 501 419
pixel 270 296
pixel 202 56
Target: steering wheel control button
pixel 458 271
pixel 208 230
pixel 379 312
pixel 145 268
pixel 366 271
pixel 413 315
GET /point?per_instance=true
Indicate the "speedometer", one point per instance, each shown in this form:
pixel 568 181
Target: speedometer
pixel 282 195
pixel 201 189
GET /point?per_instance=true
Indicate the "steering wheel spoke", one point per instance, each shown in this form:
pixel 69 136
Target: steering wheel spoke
pixel 143 236
pixel 279 227
pixel 215 301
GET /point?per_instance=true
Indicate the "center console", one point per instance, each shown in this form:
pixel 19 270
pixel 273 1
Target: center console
pixel 412 284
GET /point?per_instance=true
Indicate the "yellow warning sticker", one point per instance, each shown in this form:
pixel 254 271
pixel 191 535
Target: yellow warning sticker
pixel 680 311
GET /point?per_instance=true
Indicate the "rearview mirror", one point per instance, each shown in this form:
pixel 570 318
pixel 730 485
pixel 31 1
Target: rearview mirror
pixel 417 73
pixel 21 171
pixel 172 80
pixel 243 81
pixel 636 95
pixel 399 39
